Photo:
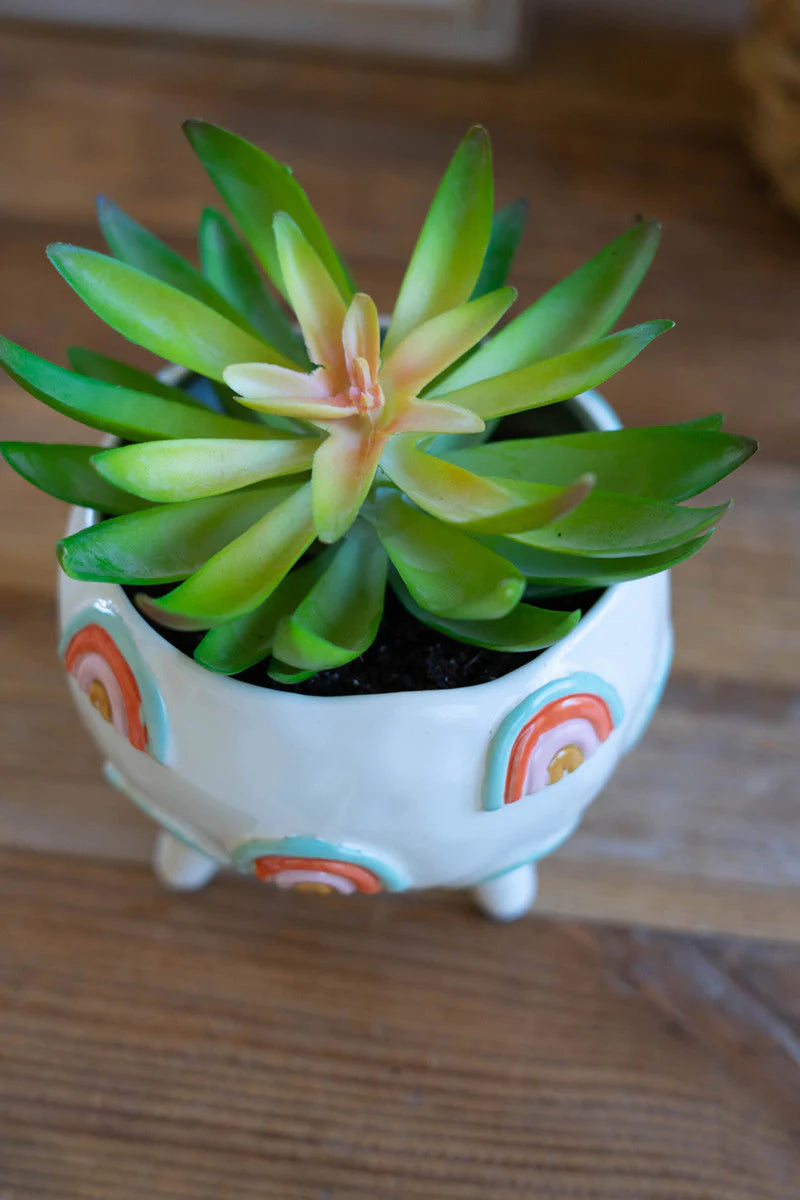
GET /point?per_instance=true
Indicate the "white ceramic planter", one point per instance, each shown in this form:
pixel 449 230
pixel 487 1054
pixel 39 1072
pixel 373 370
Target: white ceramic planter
pixel 466 787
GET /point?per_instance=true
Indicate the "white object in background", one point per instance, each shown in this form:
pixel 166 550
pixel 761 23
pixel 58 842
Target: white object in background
pixel 479 31
pixel 674 14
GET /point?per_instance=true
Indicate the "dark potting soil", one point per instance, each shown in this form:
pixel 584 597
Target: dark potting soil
pixel 407 655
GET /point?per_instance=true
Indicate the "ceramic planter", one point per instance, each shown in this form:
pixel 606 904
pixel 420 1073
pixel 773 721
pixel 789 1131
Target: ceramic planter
pixel 466 787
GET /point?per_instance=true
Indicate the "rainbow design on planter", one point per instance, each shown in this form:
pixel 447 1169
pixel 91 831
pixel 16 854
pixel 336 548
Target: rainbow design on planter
pixel 548 736
pixel 101 656
pixel 310 865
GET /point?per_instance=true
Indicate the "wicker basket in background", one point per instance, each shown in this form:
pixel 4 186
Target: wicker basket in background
pixel 769 64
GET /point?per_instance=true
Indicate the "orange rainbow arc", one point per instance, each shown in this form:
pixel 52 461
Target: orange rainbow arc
pixel 584 706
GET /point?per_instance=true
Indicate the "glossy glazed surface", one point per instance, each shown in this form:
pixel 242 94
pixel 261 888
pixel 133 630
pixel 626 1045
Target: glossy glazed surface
pixel 404 785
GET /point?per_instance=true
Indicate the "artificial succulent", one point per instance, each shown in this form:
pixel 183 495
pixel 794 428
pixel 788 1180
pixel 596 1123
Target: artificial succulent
pixel 329 456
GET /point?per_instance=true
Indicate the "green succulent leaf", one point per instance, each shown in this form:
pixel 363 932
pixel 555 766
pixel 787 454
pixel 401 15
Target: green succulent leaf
pixel 508 226
pixel 67 473
pixel 281 672
pixel 167 543
pixel 576 312
pixel 110 370
pixel 525 628
pixel 610 525
pixel 245 572
pixel 240 644
pixel 131 243
pixel 339 617
pixel 191 468
pixel 343 473
pixel 228 265
pixel 446 571
pixel 549 573
pixel 443 443
pixel 711 424
pixel 554 379
pixel 662 463
pixel 132 415
pixel 449 253
pixel 256 187
pixel 438 341
pixel 476 503
pixel 157 316
pixel 313 292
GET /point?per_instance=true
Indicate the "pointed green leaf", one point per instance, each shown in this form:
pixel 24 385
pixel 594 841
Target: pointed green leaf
pixel 339 618
pixel 445 571
pixel 131 243
pixel 525 628
pixel 245 572
pixel 191 468
pixel 281 672
pixel 132 415
pixel 110 370
pixel 256 187
pixel 608 525
pixel 313 293
pixel 435 343
pixel 555 378
pixel 554 574
pixel 473 502
pixel 164 544
pixel 67 472
pixel 157 316
pixel 577 311
pixel 711 424
pixel 228 265
pixel 508 226
pixel 444 443
pixel 449 253
pixel 661 463
pixel 240 644
pixel 344 468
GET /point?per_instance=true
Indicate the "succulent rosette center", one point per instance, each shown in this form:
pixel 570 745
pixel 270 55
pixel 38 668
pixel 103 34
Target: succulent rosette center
pixel 365 392
pixel 357 394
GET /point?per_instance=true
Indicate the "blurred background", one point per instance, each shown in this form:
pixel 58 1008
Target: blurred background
pixel 688 110
pixel 456 30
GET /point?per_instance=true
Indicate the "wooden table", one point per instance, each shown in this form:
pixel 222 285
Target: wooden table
pixel 637 1038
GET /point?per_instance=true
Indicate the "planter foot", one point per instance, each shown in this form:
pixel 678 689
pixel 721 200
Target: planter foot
pixel 178 866
pixel 508 896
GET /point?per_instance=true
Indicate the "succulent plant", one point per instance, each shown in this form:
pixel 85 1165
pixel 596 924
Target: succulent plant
pixel 319 465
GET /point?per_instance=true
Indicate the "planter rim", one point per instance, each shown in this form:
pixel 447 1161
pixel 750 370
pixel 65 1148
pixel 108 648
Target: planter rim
pixel 597 414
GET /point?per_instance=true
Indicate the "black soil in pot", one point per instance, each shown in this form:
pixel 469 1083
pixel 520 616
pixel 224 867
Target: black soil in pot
pixel 406 656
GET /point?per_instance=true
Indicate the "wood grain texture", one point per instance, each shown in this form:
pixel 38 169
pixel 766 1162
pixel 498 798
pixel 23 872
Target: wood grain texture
pixel 389 1050
pixel 602 125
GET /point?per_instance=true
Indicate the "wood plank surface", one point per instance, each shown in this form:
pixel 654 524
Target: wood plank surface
pixel 192 1048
